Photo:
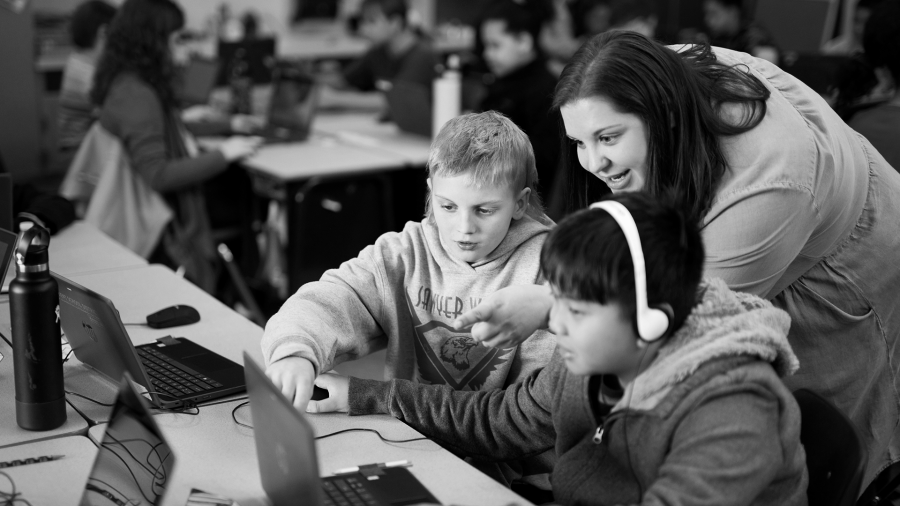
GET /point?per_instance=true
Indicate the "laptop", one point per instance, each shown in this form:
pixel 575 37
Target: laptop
pixel 7 266
pixel 173 369
pixel 198 80
pixel 410 107
pixel 134 462
pixel 292 107
pixel 288 466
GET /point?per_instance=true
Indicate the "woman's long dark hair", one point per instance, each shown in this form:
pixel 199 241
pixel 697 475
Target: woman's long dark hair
pixel 678 96
pixel 138 41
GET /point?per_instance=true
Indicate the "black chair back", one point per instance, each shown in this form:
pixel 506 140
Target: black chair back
pixel 835 455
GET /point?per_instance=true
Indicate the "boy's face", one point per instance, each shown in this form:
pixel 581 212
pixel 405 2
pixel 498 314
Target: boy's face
pixel 595 338
pixel 473 221
pixel 505 52
pixel 375 26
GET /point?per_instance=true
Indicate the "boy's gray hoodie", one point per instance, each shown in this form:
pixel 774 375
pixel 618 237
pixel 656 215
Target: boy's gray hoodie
pixel 709 422
pixel 403 293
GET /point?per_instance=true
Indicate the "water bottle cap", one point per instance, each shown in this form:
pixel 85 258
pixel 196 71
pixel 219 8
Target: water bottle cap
pixel 31 249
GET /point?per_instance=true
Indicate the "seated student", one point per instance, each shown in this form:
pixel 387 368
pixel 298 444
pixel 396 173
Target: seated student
pixel 691 413
pixel 728 29
pixel 133 88
pixel 76 112
pixel 398 53
pixel 483 229
pixel 881 124
pixel 523 86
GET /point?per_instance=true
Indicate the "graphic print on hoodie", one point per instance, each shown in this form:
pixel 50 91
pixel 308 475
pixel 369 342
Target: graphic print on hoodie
pixel 448 356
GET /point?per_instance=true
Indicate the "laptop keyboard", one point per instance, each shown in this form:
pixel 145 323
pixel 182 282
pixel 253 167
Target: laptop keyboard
pixel 168 376
pixel 348 491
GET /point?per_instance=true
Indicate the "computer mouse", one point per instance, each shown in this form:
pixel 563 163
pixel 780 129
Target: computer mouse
pixel 319 394
pixel 173 316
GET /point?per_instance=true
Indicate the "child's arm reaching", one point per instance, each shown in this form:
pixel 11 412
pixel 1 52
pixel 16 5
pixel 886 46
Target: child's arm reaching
pixel 338 318
pixel 493 425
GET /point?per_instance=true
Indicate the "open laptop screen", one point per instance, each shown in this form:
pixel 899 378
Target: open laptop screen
pixel 134 463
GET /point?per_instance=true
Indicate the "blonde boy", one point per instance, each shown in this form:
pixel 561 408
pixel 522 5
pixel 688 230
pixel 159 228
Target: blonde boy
pixel 483 230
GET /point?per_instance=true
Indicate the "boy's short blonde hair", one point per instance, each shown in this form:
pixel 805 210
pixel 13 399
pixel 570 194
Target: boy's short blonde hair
pixel 491 149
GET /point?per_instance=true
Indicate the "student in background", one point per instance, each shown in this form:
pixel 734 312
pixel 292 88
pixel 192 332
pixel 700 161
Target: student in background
pixel 881 124
pixel 693 413
pixel 483 230
pixel 399 52
pixel 852 43
pixel 76 112
pixel 522 86
pixel 637 16
pixel 728 29
pixel 133 88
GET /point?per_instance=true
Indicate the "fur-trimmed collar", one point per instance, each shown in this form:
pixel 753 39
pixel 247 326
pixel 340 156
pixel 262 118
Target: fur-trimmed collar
pixel 723 324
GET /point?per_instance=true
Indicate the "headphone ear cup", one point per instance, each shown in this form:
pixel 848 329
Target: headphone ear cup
pixel 653 323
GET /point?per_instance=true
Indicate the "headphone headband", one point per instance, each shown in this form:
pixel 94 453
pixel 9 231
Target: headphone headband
pixel 651 323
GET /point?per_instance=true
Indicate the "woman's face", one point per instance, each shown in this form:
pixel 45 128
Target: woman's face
pixel 611 145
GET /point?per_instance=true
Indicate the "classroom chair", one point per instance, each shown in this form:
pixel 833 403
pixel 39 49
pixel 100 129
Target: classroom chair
pixel 835 455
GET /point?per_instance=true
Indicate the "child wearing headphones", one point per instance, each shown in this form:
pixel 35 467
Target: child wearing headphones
pixel 665 389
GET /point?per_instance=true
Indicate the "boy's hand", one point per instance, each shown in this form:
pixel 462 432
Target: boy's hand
pixel 294 376
pixel 338 394
pixel 508 316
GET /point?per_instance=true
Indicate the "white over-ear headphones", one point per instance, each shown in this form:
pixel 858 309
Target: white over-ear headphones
pixel 652 323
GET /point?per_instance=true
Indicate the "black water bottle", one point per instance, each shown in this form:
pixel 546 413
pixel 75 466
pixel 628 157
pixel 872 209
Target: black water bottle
pixel 37 347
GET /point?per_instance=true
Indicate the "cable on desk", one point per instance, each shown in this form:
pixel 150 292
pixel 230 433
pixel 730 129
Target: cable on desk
pixel 89 399
pixel 107 494
pixel 355 429
pixel 12 497
pixel 66 358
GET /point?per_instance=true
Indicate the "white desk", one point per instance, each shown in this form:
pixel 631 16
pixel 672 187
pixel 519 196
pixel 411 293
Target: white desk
pixel 56 482
pixel 81 247
pixel 216 455
pixel 362 129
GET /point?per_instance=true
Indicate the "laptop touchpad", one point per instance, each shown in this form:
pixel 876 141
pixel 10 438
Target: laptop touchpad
pixel 208 362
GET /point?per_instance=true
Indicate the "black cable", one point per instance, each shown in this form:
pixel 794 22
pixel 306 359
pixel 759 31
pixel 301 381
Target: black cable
pixel 355 429
pixel 101 446
pixel 12 497
pixel 89 399
pixel 136 324
pixel 105 492
pixel 66 358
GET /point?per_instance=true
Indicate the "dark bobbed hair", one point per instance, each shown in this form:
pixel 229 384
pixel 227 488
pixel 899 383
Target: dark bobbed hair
pixel 520 17
pixel 586 257
pixel 390 8
pixel 678 96
pixel 87 19
pixel 138 41
pixel 881 38
pixel 732 3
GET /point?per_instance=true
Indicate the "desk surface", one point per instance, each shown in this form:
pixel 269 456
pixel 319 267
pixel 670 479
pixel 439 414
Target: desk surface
pixel 216 455
pixel 80 248
pixel 56 482
pixel 317 157
pixel 363 130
